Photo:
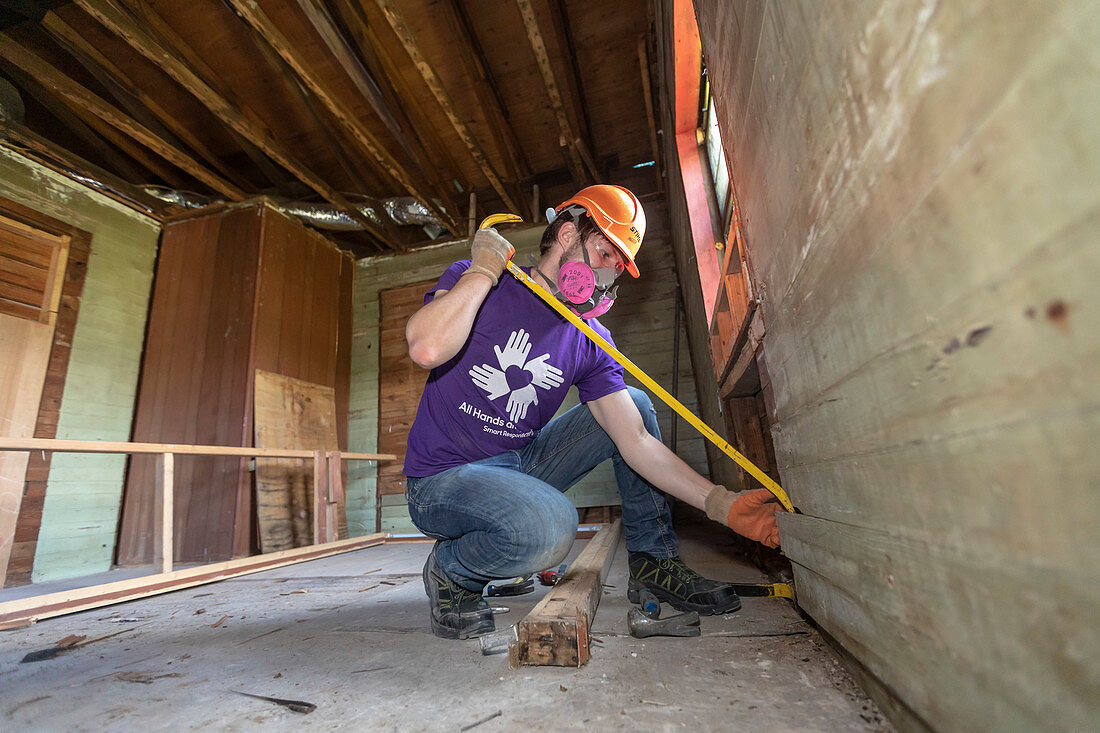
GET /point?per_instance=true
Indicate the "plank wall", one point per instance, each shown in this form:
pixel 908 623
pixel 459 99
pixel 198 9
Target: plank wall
pixel 920 190
pixel 81 504
pixel 641 323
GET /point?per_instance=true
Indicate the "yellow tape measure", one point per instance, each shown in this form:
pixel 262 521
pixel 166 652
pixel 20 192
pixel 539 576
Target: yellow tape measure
pixel 635 370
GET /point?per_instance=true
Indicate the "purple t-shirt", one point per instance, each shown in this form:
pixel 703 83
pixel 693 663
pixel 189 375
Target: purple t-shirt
pixel 507 381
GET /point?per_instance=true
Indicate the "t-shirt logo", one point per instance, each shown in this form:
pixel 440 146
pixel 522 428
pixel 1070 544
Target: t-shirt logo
pixel 529 375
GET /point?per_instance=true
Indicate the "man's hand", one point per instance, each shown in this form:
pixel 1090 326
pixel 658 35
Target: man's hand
pixel 751 514
pixel 489 254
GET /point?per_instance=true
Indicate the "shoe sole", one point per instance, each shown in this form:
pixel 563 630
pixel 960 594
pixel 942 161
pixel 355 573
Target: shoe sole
pixel 733 604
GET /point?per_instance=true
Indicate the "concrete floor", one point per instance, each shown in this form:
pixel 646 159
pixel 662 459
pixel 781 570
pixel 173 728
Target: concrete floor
pixel 357 644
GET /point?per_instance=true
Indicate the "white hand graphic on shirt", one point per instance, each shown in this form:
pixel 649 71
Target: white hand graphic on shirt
pixel 520 400
pixel 494 380
pixel 490 379
pixel 515 353
pixel 542 374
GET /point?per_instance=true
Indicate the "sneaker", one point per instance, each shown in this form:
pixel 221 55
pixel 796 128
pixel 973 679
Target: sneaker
pixel 456 613
pixel 676 584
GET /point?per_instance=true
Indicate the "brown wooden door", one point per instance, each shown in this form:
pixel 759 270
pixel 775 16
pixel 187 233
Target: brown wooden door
pixel 400 381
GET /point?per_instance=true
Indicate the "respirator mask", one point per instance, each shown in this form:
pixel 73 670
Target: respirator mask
pixel 586 290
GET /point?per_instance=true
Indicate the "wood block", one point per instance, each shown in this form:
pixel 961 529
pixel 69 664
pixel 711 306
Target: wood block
pixel 557 631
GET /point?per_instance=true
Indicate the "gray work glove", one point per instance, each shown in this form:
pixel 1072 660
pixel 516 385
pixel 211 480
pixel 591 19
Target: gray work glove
pixel 490 254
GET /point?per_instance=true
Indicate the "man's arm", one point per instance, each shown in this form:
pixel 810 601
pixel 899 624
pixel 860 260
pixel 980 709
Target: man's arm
pixel 751 514
pixel 440 328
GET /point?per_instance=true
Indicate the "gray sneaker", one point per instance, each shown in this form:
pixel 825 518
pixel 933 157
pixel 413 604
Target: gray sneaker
pixel 456 613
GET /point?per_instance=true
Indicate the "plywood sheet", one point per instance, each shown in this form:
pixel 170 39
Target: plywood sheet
pixel 290 413
pixel 24 353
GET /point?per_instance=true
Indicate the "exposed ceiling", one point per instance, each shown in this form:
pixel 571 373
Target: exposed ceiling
pixel 343 102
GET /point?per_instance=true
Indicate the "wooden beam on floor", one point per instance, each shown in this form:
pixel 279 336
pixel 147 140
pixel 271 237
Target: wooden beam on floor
pixel 427 72
pixel 553 91
pixel 28 610
pixel 18 55
pixel 558 631
pixel 254 16
pixel 123 25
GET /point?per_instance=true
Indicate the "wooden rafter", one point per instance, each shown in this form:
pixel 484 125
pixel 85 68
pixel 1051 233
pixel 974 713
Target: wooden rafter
pixel 57 107
pixel 402 100
pixel 258 20
pixel 75 94
pixel 481 76
pixel 120 23
pixel 28 143
pixel 167 37
pixel 553 91
pixel 431 78
pixel 574 79
pixel 338 45
pixel 103 68
pixel 331 136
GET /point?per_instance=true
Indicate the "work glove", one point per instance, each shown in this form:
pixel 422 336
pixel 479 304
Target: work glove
pixel 750 514
pixel 489 254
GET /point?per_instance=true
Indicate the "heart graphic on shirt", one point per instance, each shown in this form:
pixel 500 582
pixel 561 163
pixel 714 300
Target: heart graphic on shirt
pixel 494 379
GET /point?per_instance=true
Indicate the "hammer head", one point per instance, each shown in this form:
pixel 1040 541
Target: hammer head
pixel 642 626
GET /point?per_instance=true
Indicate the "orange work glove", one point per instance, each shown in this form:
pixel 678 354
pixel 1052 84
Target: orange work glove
pixel 751 514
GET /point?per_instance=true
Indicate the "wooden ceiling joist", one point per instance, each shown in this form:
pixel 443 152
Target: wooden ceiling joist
pixel 118 162
pixel 167 37
pixel 123 25
pixel 259 22
pixel 553 91
pixel 75 94
pixel 488 94
pixel 338 45
pixel 431 78
pixel 103 68
pixel 403 102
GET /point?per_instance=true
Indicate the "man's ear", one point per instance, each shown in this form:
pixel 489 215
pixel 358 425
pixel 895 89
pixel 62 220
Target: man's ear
pixel 567 235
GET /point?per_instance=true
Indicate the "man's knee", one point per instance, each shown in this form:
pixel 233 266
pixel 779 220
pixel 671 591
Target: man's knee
pixel 646 410
pixel 543 538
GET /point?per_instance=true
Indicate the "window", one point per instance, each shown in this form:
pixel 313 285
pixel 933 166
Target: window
pixel 32 266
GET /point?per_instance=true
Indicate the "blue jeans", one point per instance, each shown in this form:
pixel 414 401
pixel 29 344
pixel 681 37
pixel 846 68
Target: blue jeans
pixel 506 516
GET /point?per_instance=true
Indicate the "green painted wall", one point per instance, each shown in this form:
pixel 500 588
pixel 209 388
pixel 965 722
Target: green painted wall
pixel 80 514
pixel 641 323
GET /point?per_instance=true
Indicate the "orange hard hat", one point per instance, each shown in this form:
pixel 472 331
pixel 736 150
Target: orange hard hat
pixel 618 213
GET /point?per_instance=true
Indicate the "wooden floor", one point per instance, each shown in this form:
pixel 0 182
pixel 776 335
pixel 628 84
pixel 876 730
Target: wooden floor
pixel 350 635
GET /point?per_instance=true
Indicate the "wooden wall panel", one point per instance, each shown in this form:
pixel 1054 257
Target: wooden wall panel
pixel 192 384
pixel 399 390
pixel 920 188
pixel 21 562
